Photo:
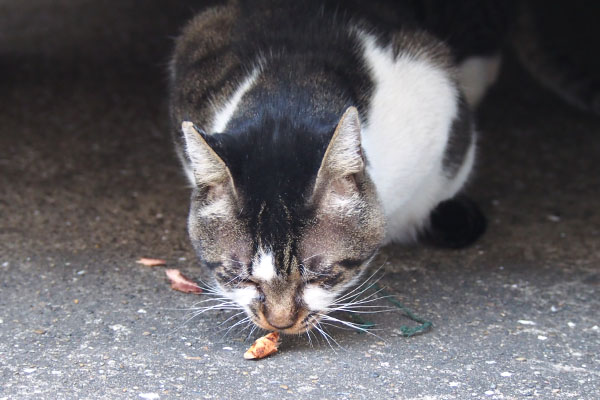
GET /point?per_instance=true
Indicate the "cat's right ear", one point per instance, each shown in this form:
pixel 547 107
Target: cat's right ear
pixel 343 159
pixel 208 169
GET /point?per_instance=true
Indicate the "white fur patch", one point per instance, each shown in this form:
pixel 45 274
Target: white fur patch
pixel 243 296
pixel 264 266
pixel 414 104
pixel 223 115
pixel 317 298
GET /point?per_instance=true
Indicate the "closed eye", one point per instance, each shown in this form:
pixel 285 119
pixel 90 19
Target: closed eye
pixel 350 263
pixel 247 281
pixel 327 281
pixel 241 280
pixel 236 261
pixel 329 278
pixel 313 277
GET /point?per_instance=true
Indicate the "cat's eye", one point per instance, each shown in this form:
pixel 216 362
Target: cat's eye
pixel 350 263
pixel 314 281
pixel 247 282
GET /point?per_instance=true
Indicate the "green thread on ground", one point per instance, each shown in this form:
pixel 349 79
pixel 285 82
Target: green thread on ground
pixel 363 324
pixel 407 331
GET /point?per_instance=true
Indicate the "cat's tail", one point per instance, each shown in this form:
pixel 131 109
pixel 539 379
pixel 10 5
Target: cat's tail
pixel 550 66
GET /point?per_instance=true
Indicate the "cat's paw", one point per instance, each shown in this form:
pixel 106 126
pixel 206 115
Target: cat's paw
pixel 454 224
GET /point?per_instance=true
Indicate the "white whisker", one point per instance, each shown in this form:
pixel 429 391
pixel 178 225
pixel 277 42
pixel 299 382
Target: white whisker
pixel 244 320
pixel 355 311
pixel 232 317
pixel 220 306
pixel 197 313
pixel 313 256
pixel 355 299
pixel 364 300
pixel 248 324
pixel 251 331
pixel 308 336
pixel 352 292
pixel 336 326
pixel 327 336
pixel 318 329
pixel 350 325
pixel 238 276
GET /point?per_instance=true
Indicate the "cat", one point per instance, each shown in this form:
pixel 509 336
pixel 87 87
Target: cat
pixel 315 132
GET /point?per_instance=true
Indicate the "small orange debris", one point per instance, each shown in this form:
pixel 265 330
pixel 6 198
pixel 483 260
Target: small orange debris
pixel 181 283
pixel 263 347
pixel 151 262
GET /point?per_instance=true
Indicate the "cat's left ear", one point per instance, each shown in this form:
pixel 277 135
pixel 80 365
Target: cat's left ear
pixel 343 158
pixel 208 169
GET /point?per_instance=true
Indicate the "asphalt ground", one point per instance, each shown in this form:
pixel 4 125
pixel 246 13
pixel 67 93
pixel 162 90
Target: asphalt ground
pixel 89 183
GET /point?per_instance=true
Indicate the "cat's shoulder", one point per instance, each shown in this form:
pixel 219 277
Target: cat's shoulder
pixel 207 29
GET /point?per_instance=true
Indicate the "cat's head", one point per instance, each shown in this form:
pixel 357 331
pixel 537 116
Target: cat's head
pixel 285 221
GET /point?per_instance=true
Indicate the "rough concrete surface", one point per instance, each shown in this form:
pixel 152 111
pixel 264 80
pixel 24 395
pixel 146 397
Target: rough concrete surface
pixel 89 183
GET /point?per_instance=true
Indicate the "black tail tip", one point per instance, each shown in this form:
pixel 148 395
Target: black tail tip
pixel 455 224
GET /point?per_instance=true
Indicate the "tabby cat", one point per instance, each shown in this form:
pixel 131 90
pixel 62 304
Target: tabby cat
pixel 314 132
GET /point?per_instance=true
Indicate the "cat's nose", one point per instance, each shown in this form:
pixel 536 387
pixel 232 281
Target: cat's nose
pixel 280 319
pixel 280 327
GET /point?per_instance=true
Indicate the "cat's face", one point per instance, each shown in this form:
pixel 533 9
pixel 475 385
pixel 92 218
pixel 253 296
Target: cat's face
pixel 285 257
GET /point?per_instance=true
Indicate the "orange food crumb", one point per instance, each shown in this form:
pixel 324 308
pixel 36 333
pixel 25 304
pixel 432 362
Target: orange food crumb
pixel 263 347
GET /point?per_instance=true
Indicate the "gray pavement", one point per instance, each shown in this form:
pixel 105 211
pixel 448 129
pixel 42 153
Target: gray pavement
pixel 89 183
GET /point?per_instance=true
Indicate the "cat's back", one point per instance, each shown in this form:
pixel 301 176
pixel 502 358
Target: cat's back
pixel 219 48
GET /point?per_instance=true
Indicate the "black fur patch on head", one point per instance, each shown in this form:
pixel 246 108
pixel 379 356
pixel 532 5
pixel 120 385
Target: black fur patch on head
pixel 274 164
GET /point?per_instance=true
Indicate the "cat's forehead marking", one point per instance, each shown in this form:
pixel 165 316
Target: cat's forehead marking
pixel 225 113
pixel 264 266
